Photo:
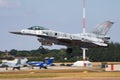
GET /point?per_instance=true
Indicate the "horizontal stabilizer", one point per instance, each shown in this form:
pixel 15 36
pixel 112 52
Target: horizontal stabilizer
pixel 100 44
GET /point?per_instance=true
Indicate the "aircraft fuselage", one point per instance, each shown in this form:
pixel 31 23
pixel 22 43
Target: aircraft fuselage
pixel 50 37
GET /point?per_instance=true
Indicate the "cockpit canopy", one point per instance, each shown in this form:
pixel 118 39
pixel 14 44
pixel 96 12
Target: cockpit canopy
pixel 37 28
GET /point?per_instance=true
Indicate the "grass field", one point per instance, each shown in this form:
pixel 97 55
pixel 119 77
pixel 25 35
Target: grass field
pixel 56 74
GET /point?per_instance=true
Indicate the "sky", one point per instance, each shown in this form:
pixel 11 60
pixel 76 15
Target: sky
pixel 59 15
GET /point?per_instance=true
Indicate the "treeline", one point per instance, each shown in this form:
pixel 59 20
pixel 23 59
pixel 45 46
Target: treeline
pixel 111 53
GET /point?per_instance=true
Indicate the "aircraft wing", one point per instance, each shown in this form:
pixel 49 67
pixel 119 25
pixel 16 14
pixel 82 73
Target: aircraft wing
pixel 64 41
pixel 63 38
pixel 69 41
pixel 78 42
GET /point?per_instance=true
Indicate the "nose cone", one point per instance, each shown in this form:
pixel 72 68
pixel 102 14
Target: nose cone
pixel 16 32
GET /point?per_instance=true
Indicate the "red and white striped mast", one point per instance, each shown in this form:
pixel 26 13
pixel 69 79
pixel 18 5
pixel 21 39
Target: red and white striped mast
pixel 84 30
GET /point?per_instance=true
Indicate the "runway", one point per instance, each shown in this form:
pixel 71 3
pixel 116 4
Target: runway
pixel 58 73
pixel 112 78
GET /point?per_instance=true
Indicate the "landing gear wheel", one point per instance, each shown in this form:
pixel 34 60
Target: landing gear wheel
pixel 69 50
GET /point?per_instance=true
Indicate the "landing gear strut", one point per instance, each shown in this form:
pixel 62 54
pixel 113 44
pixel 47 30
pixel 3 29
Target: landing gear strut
pixel 41 47
pixel 42 50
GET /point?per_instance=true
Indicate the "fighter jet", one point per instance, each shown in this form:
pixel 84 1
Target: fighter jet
pixel 15 64
pixel 47 37
pixel 41 64
pixel 95 38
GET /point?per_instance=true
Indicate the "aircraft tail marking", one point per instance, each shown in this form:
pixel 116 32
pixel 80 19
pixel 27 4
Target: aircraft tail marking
pixel 103 28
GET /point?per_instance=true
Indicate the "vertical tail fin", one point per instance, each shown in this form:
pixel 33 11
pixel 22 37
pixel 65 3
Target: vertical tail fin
pixel 49 61
pixel 103 28
pixel 21 61
pixel 18 62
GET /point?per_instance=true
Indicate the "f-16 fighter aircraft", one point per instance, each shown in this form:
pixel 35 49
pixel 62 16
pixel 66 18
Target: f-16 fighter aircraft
pixel 96 38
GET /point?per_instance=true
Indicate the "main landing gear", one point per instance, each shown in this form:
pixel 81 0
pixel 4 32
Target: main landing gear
pixel 41 47
pixel 69 50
